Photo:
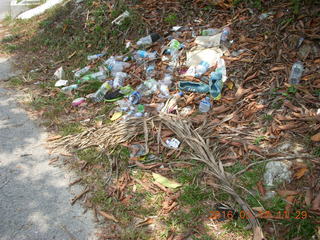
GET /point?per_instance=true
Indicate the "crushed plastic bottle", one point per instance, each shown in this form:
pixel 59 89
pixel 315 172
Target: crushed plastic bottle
pixel 209 32
pixel 98 96
pixel 205 105
pixel 135 97
pixel 296 73
pixel 150 70
pixel 95 56
pixel 82 71
pixel 93 76
pixel 221 68
pixel 148 87
pixel 141 55
pixel 153 37
pixel 174 48
pixel 124 105
pixel 215 85
pixel 225 34
pixel 171 103
pixel 115 66
pixel 119 79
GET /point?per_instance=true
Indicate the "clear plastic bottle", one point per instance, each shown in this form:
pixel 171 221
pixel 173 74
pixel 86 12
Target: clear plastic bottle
pixel 296 73
pixel 201 68
pixel 95 56
pixel 225 34
pixel 81 71
pixel 116 66
pixel 119 79
pixel 148 39
pixel 98 96
pixel 174 48
pixel 141 55
pixel 135 97
pixel 209 32
pixel 97 75
pixel 68 89
pixel 150 71
pixel 205 105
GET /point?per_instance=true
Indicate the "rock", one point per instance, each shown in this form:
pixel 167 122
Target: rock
pixel 277 172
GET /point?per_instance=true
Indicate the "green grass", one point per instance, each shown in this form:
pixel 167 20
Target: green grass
pixel 258 140
pixel 192 195
pixel 16 82
pixel 171 19
pixel 70 128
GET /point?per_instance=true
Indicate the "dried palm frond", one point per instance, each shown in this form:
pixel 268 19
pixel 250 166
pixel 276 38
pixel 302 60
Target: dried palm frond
pixel 119 132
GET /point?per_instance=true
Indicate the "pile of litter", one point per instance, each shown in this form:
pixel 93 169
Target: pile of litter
pixel 153 80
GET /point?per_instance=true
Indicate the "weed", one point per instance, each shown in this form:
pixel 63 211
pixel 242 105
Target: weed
pixel 188 175
pixel 251 177
pixel 15 81
pixel 193 194
pixel 316 152
pixel 292 90
pixel 267 117
pixel 258 140
pixel 171 19
pixel 69 128
pixel 237 226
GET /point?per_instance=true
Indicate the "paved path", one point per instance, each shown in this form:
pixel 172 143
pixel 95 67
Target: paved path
pixel 34 196
pixel 4 8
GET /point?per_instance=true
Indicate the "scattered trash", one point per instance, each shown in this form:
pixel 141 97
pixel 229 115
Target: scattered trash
pixel 78 102
pixel 68 89
pixel 137 150
pixel 61 83
pixel 119 79
pixel 296 73
pixel 210 32
pixel 153 37
pixel 173 143
pixel 116 116
pixel 209 41
pixel 59 73
pixel 225 34
pixel 265 15
pixel 135 97
pixel 96 56
pixel 186 111
pixel 277 172
pixel 120 18
pixel 92 76
pixel 98 96
pixel 205 105
pixel 165 181
pixel 82 71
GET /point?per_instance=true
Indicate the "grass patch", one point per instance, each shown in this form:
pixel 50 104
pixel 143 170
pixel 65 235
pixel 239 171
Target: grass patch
pixel 192 195
pixel 70 128
pixel 16 82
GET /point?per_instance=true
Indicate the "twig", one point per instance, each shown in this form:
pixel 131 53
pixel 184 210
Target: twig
pixel 76 198
pixel 75 181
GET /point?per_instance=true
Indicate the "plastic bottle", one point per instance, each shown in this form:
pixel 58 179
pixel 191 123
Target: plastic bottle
pixel 116 66
pixel 119 79
pixel 97 75
pixel 81 71
pixel 68 89
pixel 201 68
pixel 150 70
pixel 98 96
pixel 221 68
pixel 296 73
pixel 205 105
pixel 225 34
pixel 174 48
pixel 148 87
pixel 216 84
pixel 95 56
pixel 148 39
pixel 135 97
pixel 140 55
pixel 171 103
pixel 209 32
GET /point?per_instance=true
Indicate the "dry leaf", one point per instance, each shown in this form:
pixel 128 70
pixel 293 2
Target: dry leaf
pixel 54 138
pixel 108 216
pixel 308 197
pixel 261 189
pixel 316 137
pixel 285 193
pixel 316 203
pixel 290 200
pixel 300 173
pixel 165 181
